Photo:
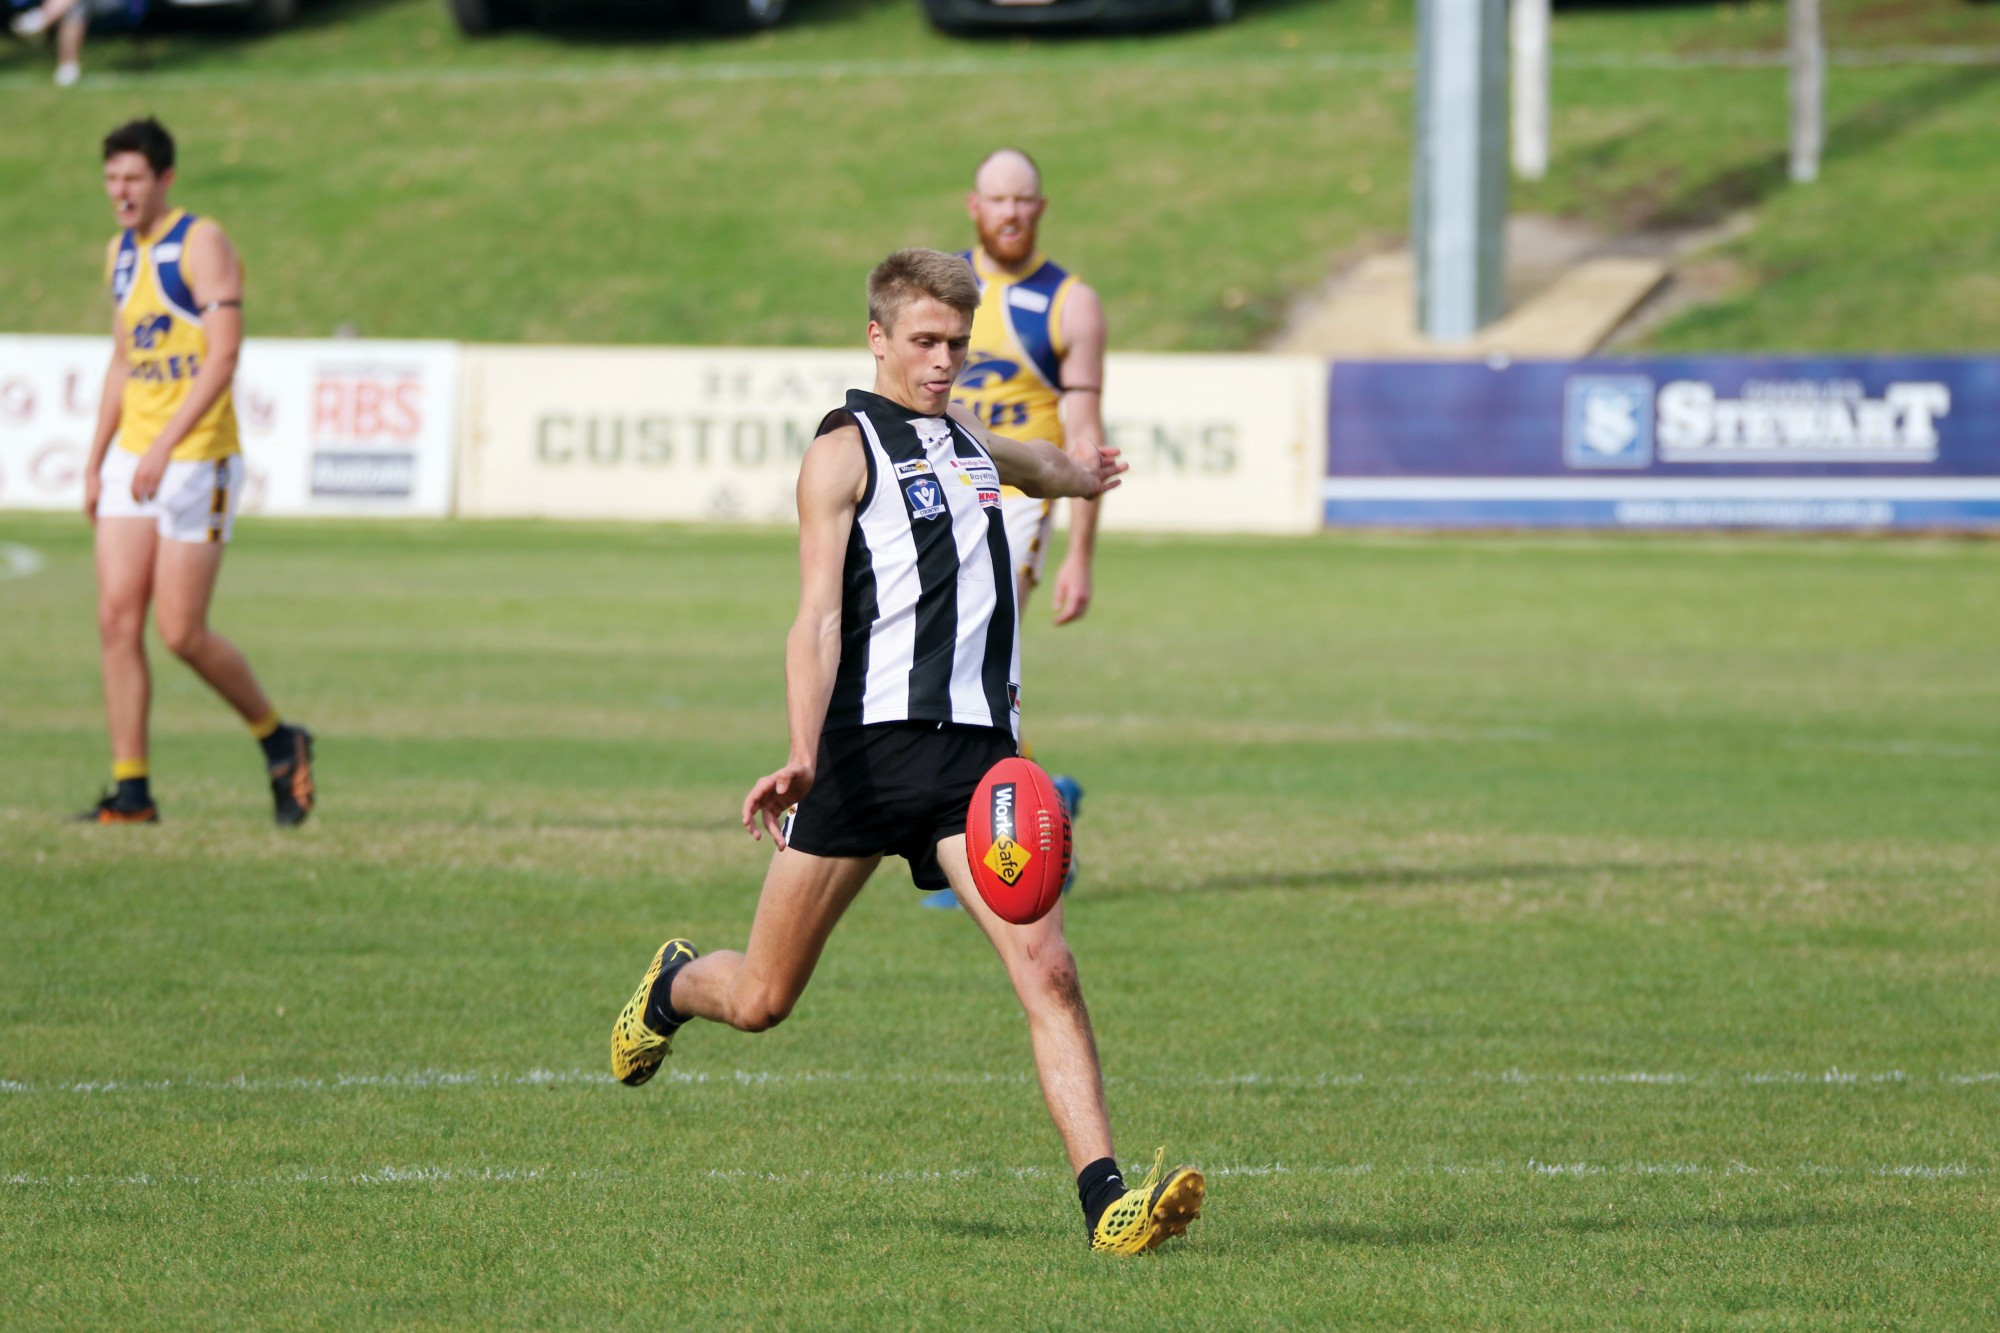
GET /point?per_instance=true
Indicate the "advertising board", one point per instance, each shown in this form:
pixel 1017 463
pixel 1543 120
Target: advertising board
pixel 1216 443
pixel 1827 442
pixel 329 427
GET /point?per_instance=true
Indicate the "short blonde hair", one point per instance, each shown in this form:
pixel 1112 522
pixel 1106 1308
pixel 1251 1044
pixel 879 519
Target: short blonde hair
pixel 909 274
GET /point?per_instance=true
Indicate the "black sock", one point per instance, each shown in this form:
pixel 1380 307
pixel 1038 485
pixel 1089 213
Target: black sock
pixel 134 793
pixel 278 747
pixel 660 1015
pixel 1098 1186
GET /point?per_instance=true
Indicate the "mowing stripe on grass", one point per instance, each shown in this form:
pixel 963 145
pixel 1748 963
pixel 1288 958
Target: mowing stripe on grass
pixel 792 71
pixel 435 1079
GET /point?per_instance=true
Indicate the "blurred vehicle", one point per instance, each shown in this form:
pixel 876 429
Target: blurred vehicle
pixel 127 15
pixel 476 18
pixel 965 16
pixel 260 15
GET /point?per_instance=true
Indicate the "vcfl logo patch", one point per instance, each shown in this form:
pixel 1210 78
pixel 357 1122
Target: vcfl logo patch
pixel 1006 858
pixel 1608 421
pixel 926 497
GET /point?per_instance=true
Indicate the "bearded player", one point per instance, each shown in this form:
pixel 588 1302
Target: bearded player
pixel 900 676
pixel 1035 371
pixel 163 500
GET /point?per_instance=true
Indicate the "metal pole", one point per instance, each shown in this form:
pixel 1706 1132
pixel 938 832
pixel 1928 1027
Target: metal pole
pixel 1808 88
pixel 1460 204
pixel 1530 21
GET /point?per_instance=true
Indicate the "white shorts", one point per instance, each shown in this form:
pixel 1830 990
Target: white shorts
pixel 1029 523
pixel 196 501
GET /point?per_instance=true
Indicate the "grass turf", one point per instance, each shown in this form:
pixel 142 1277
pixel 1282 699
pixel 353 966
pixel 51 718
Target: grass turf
pixel 583 184
pixel 1538 934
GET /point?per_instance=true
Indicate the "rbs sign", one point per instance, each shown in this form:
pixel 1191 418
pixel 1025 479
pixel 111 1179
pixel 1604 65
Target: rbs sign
pixel 366 421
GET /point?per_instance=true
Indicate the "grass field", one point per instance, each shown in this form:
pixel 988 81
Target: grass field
pixel 1530 934
pixel 658 185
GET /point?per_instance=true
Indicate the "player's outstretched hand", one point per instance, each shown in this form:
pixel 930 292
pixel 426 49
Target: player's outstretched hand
pixel 773 794
pixel 1105 467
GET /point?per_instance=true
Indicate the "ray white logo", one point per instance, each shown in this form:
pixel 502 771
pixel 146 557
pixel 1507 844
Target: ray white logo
pixel 1801 421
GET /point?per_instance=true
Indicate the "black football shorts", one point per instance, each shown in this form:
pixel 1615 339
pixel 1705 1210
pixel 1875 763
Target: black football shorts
pixel 895 788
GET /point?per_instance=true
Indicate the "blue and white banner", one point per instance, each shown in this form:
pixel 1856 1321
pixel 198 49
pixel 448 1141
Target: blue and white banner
pixel 1830 442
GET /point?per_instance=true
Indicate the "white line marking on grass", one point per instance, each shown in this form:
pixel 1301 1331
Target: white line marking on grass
pixel 841 71
pixel 543 1174
pixel 420 1080
pixel 18 561
pixel 1918 749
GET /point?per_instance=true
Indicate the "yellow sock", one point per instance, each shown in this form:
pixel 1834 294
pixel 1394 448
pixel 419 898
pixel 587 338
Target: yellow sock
pixel 264 728
pixel 125 770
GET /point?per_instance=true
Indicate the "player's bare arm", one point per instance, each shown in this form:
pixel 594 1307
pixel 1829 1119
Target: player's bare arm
pixel 110 403
pixel 1038 468
pixel 215 279
pixel 1083 332
pixel 831 481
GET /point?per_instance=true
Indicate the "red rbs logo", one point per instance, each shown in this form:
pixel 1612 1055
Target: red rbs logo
pixel 367 409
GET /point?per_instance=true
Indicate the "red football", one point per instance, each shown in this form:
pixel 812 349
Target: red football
pixel 1017 837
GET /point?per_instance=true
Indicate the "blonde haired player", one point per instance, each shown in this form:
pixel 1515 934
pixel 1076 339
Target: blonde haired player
pixel 899 693
pixel 1035 372
pixel 164 498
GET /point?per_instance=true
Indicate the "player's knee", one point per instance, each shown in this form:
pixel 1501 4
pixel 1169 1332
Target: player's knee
pixel 760 1011
pixel 183 640
pixel 118 623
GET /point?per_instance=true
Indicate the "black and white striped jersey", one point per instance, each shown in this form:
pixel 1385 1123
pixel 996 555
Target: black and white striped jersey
pixel 928 627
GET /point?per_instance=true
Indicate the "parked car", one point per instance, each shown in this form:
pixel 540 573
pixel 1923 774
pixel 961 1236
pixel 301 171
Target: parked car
pixel 475 18
pixel 963 16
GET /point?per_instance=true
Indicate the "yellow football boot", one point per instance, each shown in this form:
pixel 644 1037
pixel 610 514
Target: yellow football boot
pixel 1157 1210
pixel 637 1050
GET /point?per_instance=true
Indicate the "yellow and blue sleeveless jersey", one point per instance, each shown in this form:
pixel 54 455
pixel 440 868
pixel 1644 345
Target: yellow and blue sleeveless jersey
pixel 165 346
pixel 1012 379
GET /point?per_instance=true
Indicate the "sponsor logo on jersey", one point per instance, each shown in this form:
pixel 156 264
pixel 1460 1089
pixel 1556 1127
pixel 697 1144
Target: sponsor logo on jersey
pixel 916 467
pixel 975 472
pixel 926 497
pixel 989 499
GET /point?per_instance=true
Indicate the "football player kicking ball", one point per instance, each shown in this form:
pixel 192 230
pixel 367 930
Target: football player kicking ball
pixel 900 692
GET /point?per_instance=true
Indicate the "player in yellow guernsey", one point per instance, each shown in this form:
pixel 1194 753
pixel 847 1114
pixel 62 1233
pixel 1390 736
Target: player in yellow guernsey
pixel 1036 368
pixel 166 471
pixel 1035 372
